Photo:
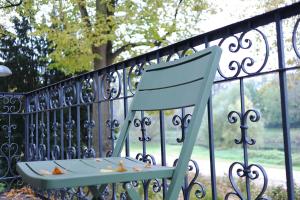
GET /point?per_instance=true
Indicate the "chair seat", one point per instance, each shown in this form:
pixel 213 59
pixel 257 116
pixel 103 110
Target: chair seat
pixel 91 171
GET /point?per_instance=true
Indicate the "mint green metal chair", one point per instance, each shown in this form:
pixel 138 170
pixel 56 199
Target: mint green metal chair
pixel 180 83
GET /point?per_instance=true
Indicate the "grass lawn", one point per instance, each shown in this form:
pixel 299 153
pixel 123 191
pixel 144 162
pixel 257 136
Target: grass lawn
pixel 272 158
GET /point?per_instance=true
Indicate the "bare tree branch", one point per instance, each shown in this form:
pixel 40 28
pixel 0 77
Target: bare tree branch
pixel 10 4
pixel 164 37
pixel 129 45
pixel 155 43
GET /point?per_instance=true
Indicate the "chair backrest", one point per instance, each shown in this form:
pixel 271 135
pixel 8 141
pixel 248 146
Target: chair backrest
pixel 177 83
pixel 180 83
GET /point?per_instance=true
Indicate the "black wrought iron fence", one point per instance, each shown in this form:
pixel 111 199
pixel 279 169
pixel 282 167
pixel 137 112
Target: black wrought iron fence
pixel 76 117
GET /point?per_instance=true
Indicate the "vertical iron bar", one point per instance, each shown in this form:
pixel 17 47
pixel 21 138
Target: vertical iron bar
pixel 78 119
pixel 88 111
pixel 163 147
pixel 211 143
pixel 32 156
pixel 54 132
pixel 143 136
pixel 36 127
pixel 185 184
pixel 125 102
pixel 61 121
pixel 211 149
pixel 111 107
pixel 26 127
pixel 162 140
pixel 244 137
pixel 99 115
pixel 284 111
pixel 114 195
pixel 48 124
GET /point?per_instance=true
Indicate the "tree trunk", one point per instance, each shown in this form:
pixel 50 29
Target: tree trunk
pixel 104 51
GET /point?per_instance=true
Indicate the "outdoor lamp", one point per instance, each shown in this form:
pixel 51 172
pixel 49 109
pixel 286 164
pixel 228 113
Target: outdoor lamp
pixel 4 71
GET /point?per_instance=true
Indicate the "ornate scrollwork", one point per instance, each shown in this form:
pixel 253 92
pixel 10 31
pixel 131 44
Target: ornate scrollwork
pixel 42 146
pixel 113 125
pixel 236 67
pixel 200 192
pixel 111 85
pixel 253 115
pixel 69 94
pixel 55 152
pixel 123 196
pixel 145 121
pixel 32 146
pixel 294 38
pixel 71 151
pixel 10 104
pixel 243 169
pixel 89 151
pixel 87 90
pixel 156 185
pixel 134 75
pixel 109 153
pixel 179 54
pixel 249 172
pixel 147 158
pixel 32 104
pixel 42 101
pixel 183 122
pixel 53 98
pixel 9 152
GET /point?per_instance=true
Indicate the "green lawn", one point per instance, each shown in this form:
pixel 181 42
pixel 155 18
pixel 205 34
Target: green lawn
pixel 273 158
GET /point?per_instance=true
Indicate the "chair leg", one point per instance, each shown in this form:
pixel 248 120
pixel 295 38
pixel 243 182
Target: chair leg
pixel 132 193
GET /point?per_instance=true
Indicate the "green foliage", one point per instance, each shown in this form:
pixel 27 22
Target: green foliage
pixel 85 33
pixel 280 192
pixel 25 55
pixel 268 100
pixel 224 101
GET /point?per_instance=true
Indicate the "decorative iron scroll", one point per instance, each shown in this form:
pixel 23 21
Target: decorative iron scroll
pixel 244 170
pixel 87 89
pixel 183 122
pixel 42 147
pixel 134 76
pixel 246 63
pixel 200 192
pixel 89 152
pixel 111 85
pixel 69 94
pixel 55 152
pixel 112 125
pixel 10 153
pixel 11 104
pixel 145 121
pixel 294 38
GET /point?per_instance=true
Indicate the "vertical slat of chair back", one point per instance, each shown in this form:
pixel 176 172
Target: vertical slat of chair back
pixel 194 126
pixel 174 84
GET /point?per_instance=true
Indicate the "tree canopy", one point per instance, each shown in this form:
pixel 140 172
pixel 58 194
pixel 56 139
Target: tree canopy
pixel 90 34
